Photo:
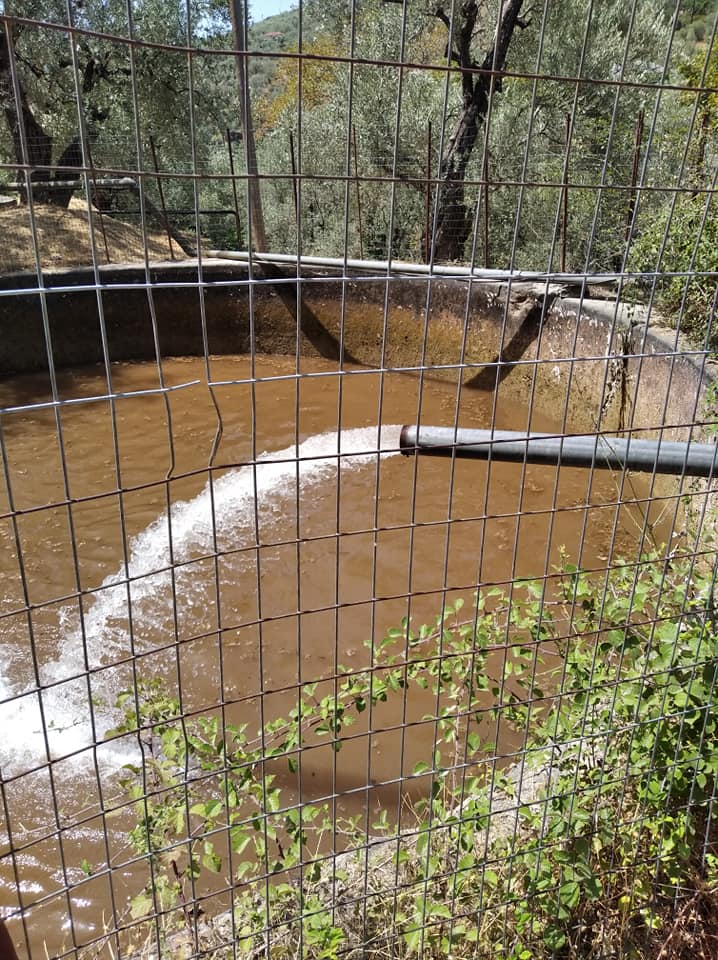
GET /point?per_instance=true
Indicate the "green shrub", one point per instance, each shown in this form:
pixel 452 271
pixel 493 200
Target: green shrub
pixel 682 249
pixel 591 847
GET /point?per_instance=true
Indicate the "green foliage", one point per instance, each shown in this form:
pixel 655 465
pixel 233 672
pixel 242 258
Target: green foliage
pixel 633 760
pixel 589 39
pixel 609 684
pixel 386 113
pixel 277 33
pixel 710 409
pixel 695 19
pixel 677 236
pixel 262 33
pixel 678 246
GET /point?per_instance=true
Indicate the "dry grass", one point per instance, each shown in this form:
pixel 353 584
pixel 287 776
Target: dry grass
pixel 692 932
pixel 64 239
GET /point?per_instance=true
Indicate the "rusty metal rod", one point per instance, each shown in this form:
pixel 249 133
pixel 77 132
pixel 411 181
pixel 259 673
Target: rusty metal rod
pixel 294 176
pixel 427 199
pixel 564 195
pixel 638 137
pixel 93 175
pixel 237 221
pixel 162 197
pixel 590 450
pixel 358 192
pixel 485 210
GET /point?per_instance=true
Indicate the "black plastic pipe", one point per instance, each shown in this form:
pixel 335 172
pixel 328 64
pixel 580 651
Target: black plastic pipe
pixel 590 450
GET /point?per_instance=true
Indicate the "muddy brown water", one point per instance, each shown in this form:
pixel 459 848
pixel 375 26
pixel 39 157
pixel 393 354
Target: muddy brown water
pixel 294 579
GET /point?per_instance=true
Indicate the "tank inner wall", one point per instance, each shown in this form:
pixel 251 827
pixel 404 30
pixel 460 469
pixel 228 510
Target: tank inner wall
pixel 598 364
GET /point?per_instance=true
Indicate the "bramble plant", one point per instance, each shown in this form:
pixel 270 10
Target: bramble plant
pixel 590 847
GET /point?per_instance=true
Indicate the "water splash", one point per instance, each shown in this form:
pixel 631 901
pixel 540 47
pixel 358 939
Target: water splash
pixel 225 515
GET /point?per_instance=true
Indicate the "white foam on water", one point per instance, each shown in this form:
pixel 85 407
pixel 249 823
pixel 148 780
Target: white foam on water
pixel 227 511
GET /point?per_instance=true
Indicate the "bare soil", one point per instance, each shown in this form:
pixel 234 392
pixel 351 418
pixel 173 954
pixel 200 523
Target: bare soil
pixel 64 238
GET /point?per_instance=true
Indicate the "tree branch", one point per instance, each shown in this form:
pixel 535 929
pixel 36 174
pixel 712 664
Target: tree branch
pixel 449 52
pixel 441 15
pixel 19 116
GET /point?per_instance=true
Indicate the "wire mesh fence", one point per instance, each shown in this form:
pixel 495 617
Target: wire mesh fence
pixel 286 670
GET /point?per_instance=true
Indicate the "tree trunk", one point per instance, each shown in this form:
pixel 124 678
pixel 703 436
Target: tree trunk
pixel 71 157
pixel 454 219
pixel 39 143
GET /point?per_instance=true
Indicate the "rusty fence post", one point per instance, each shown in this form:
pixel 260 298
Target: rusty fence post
pixel 294 176
pixel 356 180
pixel 485 205
pixel 638 137
pixel 427 209
pixel 237 220
pixel 564 195
pixel 162 196
pixel 93 176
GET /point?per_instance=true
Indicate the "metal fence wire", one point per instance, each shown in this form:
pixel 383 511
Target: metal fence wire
pixel 357 516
